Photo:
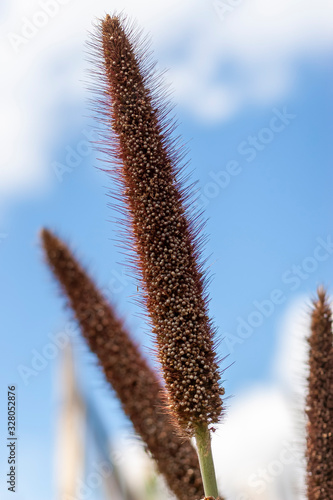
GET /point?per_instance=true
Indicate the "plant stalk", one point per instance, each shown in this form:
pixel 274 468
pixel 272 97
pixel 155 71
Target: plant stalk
pixel 204 450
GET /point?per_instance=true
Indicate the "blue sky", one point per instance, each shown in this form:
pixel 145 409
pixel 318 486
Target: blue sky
pixel 272 215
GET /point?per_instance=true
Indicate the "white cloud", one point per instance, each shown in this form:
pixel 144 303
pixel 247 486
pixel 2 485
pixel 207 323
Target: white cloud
pixel 254 449
pixel 249 53
pixel 221 65
pixel 290 366
pixel 259 450
pixel 291 370
pixel 42 51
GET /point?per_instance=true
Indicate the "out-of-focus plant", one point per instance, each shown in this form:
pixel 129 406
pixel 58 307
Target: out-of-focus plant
pixel 135 384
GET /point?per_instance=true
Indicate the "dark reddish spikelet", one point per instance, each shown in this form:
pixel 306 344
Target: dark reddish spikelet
pixel 320 403
pixel 135 384
pixel 163 233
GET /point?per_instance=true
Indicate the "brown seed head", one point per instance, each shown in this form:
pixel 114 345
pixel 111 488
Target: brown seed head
pixel 164 235
pixel 320 403
pixel 135 384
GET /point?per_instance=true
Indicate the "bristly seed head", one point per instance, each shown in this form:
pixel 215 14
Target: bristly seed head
pixel 320 403
pixel 135 384
pixel 164 235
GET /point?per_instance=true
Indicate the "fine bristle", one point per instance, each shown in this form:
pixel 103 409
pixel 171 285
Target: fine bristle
pixel 163 231
pixel 320 402
pixel 135 384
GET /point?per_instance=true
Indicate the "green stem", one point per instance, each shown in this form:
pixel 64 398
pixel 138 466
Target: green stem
pixel 202 437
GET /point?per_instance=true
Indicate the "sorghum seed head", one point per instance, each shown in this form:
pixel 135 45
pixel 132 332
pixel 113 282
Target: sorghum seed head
pixel 320 402
pixel 163 232
pixel 135 384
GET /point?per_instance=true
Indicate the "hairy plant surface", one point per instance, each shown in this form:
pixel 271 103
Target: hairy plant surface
pixel 163 232
pixel 320 403
pixel 135 384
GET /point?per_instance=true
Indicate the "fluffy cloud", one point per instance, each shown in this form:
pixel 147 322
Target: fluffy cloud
pixel 249 51
pixel 42 94
pixel 259 449
pixel 222 55
pixel 254 450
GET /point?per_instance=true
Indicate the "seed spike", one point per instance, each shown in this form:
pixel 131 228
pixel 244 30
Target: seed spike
pixel 320 402
pixel 165 236
pixel 164 233
pixel 135 384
